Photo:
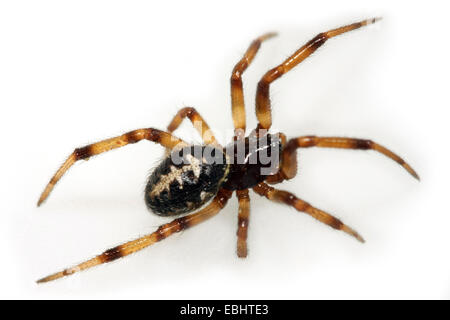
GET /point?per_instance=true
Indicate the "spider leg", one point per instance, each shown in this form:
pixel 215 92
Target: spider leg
pixel 243 217
pixel 263 109
pixel 303 206
pixel 163 138
pixel 197 121
pixel 237 91
pixel 289 154
pixel 161 233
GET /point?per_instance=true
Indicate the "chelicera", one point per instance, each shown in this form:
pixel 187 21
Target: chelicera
pixel 203 185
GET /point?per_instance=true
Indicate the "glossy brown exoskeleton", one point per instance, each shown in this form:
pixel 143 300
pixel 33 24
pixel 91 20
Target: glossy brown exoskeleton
pixel 215 172
pixel 182 186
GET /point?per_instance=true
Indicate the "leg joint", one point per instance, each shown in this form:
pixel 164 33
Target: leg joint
pixel 83 153
pixel 363 144
pixel 187 112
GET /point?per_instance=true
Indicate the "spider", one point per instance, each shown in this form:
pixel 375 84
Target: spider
pixel 176 188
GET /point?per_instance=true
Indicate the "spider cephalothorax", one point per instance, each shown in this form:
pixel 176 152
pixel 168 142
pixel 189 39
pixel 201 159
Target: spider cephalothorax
pixel 191 175
pixel 252 160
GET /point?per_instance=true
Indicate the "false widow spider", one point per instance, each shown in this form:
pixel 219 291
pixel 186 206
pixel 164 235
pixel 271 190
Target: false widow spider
pixel 177 188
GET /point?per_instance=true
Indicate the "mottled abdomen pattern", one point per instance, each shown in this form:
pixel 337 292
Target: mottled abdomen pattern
pixel 186 180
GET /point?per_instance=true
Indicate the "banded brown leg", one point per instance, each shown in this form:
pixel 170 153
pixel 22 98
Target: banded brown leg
pixel 289 154
pixel 291 200
pixel 263 109
pixel 243 218
pixel 163 138
pixel 161 233
pixel 237 91
pixel 197 121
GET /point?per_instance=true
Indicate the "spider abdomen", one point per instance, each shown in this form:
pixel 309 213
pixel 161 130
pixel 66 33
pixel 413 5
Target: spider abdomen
pixel 186 180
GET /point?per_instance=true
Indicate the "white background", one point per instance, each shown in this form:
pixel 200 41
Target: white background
pixel 72 73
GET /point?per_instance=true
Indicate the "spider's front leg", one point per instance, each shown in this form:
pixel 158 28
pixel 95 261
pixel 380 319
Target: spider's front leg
pixel 289 154
pixel 263 108
pixel 161 233
pixel 163 138
pixel 237 91
pixel 303 206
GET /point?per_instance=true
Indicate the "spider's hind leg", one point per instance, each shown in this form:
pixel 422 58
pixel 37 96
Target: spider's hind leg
pixel 161 233
pixel 303 206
